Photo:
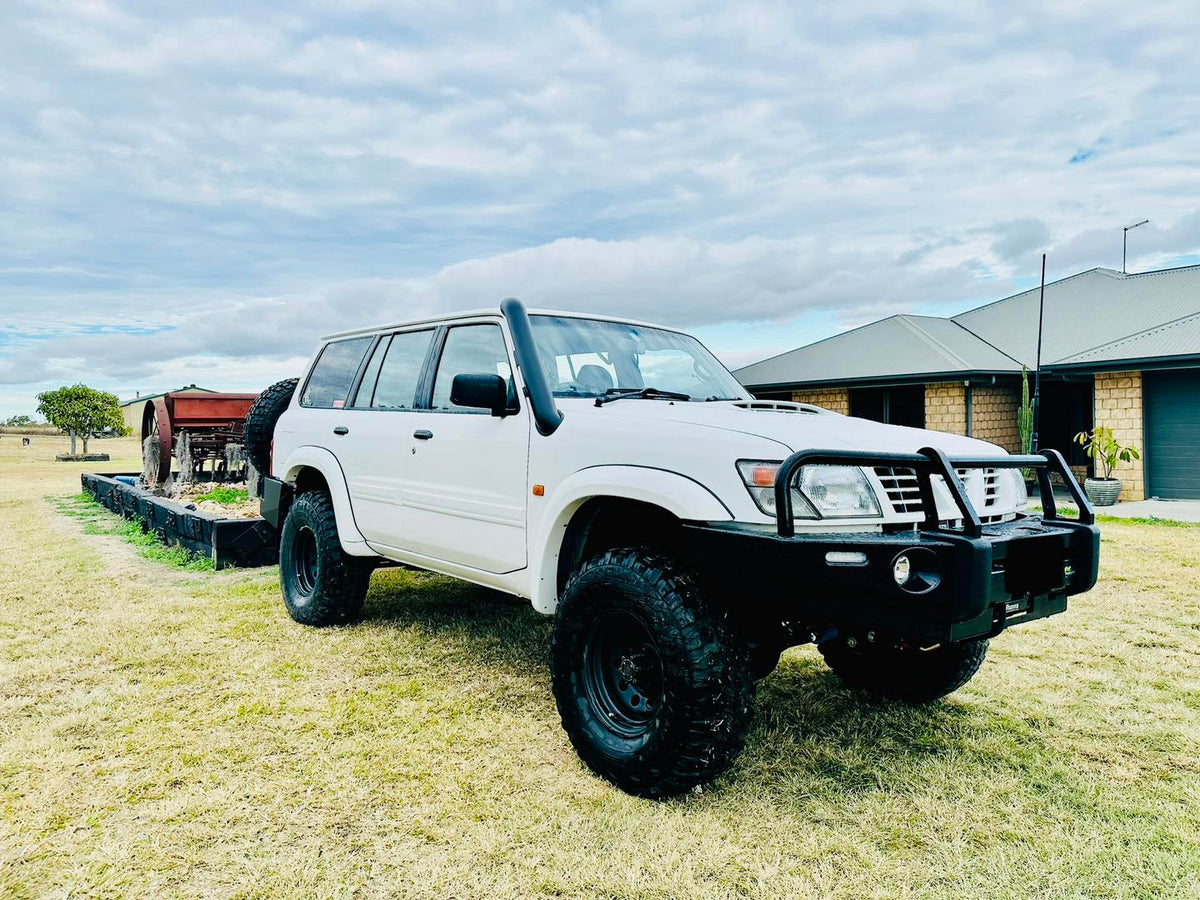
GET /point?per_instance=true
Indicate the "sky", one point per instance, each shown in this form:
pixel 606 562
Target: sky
pixel 194 193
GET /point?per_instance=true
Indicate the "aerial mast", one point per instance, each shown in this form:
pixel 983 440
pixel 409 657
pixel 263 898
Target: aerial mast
pixel 1037 370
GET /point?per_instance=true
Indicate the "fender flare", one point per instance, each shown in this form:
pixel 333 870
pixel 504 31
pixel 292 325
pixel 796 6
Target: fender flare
pixel 326 463
pixel 677 494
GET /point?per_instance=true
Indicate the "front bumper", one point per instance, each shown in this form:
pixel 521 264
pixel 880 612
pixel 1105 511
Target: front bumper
pixel 1011 573
pixel 983 577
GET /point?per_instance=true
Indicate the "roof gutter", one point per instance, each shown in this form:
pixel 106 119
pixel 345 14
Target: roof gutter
pixel 1149 363
pixel 883 380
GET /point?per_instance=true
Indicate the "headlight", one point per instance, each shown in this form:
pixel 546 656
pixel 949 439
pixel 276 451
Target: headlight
pixel 834 492
pixel 838 492
pixel 759 478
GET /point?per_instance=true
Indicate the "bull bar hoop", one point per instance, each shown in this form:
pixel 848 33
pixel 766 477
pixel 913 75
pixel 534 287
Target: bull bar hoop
pixel 930 461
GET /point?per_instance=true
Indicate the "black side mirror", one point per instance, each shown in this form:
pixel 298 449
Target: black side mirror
pixel 481 391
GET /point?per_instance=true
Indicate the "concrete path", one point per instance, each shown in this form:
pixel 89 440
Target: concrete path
pixel 1175 510
pixel 1172 510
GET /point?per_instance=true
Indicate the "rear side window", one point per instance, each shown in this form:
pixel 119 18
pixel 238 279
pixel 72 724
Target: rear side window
pixel 331 377
pixel 366 387
pixel 400 372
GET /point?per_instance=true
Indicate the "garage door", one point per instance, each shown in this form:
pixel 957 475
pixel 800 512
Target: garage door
pixel 1173 434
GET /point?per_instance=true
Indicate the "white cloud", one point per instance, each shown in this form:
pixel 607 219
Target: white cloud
pixel 694 163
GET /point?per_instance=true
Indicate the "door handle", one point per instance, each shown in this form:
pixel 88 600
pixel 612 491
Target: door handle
pixel 341 429
pixel 422 434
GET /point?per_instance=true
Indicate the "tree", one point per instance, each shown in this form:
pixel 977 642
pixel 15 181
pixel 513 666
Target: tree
pixel 82 412
pixel 18 421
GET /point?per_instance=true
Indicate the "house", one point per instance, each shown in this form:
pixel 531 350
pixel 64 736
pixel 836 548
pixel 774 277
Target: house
pixel 1118 350
pixel 132 409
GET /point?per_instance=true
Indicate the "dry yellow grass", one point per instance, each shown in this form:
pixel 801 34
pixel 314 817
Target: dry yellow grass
pixel 171 732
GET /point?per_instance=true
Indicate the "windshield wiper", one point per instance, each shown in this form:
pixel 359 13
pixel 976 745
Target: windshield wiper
pixel 640 394
pixel 719 399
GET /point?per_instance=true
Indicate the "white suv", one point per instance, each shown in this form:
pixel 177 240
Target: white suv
pixel 682 533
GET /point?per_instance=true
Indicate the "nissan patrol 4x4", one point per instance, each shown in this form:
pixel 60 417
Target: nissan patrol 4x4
pixel 681 532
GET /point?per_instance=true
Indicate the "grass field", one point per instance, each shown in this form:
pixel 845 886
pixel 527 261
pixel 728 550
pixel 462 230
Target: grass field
pixel 167 731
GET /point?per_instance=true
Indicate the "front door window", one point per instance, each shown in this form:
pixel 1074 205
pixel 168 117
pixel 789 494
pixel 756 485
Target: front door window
pixel 470 350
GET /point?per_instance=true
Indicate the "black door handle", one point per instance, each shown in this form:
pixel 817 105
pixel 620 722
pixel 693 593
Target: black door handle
pixel 422 434
pixel 341 429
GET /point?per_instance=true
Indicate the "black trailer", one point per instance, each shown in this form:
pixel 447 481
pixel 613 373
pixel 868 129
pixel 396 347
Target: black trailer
pixel 243 542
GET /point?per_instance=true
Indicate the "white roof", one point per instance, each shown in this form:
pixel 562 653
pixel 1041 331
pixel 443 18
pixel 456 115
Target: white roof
pixel 493 312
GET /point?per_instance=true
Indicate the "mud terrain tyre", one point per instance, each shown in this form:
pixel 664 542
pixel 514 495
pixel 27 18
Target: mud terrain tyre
pixel 322 584
pixel 909 675
pixel 260 422
pixel 654 692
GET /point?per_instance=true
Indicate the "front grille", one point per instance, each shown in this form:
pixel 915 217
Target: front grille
pixel 904 494
pixel 991 485
pixel 901 486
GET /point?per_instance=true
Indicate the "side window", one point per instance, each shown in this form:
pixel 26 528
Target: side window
pixel 470 349
pixel 366 387
pixel 401 370
pixel 334 372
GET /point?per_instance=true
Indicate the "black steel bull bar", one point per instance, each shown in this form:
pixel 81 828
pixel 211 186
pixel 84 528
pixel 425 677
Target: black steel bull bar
pixel 926 463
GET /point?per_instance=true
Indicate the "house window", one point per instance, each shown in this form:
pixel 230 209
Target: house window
pixel 903 405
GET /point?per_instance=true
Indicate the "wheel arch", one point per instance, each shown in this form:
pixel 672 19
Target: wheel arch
pixel 315 468
pixel 608 506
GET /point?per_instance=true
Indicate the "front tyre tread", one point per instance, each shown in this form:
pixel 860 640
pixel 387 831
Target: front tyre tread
pixel 707 690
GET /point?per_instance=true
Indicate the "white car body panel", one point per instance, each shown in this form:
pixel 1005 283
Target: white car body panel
pixel 321 459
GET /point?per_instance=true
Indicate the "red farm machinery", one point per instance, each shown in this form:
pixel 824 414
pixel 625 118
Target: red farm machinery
pixel 194 429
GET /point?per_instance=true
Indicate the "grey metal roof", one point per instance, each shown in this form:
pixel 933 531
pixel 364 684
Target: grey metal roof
pixel 894 347
pixel 1097 317
pixel 1087 311
pixel 1178 338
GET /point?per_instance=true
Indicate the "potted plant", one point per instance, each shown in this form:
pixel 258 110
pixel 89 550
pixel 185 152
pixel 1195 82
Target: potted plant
pixel 1101 446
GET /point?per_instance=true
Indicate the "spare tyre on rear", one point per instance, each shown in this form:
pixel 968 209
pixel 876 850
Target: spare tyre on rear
pixel 260 422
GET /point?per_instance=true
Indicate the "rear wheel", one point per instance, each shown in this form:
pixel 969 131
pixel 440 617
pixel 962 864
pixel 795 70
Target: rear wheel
pixel 322 584
pixel 907 674
pixel 653 692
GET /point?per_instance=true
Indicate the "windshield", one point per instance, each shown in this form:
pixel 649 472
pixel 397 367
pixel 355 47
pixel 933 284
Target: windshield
pixel 588 357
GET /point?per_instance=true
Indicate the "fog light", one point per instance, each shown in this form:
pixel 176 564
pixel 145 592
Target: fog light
pixel 917 570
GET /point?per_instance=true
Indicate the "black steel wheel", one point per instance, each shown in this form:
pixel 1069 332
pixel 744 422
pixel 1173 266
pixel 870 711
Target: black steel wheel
pixel 622 673
pixel 304 560
pixel 321 583
pixel 653 691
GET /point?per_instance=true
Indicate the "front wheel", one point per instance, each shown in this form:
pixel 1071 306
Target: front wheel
pixel 322 584
pixel 653 692
pixel 907 674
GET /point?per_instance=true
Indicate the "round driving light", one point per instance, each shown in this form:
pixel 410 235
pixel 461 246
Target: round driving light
pixel 917 570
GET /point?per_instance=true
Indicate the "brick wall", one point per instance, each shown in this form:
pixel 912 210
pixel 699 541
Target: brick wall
pixel 833 399
pixel 946 407
pixel 1118 405
pixel 994 415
